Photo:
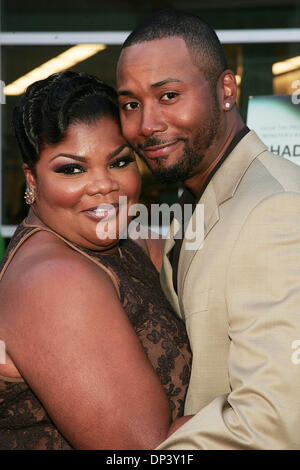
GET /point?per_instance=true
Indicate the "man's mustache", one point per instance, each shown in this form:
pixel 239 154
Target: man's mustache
pixel 154 141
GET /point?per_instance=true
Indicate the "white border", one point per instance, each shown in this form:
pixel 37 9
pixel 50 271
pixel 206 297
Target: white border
pixel 230 36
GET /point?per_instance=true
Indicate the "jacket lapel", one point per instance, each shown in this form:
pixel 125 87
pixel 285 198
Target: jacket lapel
pixel 221 188
pixel 199 224
pixel 166 273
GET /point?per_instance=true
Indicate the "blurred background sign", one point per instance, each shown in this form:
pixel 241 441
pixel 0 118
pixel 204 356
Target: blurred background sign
pixel 276 120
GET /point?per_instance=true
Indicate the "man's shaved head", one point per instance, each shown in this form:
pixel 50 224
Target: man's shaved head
pixel 202 42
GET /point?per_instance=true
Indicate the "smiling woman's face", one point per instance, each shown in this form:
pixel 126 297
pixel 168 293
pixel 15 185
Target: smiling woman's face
pixel 75 178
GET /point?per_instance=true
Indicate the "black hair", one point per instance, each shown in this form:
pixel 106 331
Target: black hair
pixel 49 106
pixel 202 42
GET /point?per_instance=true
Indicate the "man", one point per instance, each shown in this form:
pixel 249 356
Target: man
pixel 239 293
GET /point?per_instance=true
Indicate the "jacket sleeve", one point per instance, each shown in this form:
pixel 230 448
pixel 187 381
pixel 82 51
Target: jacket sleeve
pixel 262 410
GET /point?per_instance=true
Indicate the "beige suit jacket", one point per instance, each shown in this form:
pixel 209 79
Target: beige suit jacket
pixel 239 295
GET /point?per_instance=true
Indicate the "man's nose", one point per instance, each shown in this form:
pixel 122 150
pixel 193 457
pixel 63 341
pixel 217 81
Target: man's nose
pixel 102 184
pixel 152 122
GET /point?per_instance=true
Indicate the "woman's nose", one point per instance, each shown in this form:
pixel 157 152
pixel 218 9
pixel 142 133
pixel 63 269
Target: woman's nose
pixel 102 185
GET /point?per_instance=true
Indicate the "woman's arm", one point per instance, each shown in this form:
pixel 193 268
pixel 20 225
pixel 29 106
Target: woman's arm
pixel 71 340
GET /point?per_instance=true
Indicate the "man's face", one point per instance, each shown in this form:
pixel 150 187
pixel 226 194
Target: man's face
pixel 169 112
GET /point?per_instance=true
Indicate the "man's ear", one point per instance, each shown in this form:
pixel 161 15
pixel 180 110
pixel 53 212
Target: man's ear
pixel 228 87
pixel 30 179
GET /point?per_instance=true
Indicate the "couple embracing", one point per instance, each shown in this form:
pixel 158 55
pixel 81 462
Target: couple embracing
pixel 100 352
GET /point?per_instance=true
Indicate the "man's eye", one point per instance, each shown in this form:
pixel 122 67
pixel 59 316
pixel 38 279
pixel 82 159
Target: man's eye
pixel 70 169
pixel 169 96
pixel 130 106
pixel 121 162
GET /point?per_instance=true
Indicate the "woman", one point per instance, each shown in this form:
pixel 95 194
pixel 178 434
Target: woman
pixel 96 359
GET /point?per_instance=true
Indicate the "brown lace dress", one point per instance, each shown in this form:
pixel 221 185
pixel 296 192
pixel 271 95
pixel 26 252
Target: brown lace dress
pixel 24 423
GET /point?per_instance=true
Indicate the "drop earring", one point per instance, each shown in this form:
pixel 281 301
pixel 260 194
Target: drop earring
pixel 227 105
pixel 30 195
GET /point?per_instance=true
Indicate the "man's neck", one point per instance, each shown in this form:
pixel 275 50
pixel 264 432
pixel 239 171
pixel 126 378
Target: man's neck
pixel 198 180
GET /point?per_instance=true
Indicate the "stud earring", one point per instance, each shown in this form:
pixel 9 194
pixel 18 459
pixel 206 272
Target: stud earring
pixel 30 195
pixel 227 105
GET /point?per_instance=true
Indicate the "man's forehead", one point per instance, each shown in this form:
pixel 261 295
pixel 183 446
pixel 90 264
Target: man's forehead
pixel 159 58
pixel 155 47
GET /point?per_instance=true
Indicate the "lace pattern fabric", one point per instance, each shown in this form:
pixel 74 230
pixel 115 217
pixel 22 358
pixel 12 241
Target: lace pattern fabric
pixel 25 424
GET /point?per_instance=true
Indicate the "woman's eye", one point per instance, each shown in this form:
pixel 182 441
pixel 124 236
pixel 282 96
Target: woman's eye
pixel 70 169
pixel 131 106
pixel 121 162
pixel 169 96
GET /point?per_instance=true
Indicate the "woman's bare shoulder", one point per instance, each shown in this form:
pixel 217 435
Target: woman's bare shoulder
pixel 43 251
pixel 46 270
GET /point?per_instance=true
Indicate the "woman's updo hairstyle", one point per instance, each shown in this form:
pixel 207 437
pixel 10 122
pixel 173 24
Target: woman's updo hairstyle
pixel 49 106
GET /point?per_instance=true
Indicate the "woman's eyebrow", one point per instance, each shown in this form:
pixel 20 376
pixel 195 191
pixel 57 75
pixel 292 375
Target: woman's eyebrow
pixel 117 151
pixel 69 155
pixel 85 159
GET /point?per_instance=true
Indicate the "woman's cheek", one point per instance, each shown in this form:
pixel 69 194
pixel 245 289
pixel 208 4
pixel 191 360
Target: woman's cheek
pixel 63 195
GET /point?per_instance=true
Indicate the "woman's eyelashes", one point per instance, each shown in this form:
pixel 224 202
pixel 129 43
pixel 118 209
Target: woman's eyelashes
pixel 122 162
pixel 70 169
pixel 75 168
